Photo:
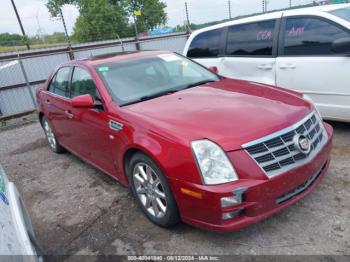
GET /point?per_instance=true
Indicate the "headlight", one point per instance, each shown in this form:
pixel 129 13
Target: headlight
pixel 213 163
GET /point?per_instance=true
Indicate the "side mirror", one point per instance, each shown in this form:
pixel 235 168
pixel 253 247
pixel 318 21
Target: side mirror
pixel 213 69
pixel 83 101
pixel 341 46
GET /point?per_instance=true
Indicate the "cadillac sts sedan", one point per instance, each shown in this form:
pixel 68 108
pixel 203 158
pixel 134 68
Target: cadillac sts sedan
pixel 214 152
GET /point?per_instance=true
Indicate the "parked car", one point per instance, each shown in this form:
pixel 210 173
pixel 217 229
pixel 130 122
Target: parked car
pixel 214 152
pixel 307 50
pixel 17 237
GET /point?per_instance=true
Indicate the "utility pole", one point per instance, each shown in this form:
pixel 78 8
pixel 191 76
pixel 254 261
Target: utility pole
pixel 71 55
pixel 136 33
pixel 263 6
pixel 229 9
pixel 25 38
pixel 290 3
pixel 187 17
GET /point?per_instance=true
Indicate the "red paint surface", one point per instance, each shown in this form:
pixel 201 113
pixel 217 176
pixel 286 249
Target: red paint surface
pixel 228 112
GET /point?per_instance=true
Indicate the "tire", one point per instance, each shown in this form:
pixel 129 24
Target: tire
pixel 51 138
pixel 153 194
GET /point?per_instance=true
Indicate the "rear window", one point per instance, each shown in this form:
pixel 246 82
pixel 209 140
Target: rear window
pixel 255 39
pixel 206 44
pixel 343 13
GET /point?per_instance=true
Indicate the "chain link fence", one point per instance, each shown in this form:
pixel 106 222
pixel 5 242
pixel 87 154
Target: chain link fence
pixel 22 72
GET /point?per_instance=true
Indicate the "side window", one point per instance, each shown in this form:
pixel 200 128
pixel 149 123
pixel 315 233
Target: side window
pixel 206 44
pixel 310 36
pixel 255 39
pixel 83 84
pixel 60 83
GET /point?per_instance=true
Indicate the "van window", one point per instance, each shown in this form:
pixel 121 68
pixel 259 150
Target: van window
pixel 206 44
pixel 255 39
pixel 311 36
pixel 343 13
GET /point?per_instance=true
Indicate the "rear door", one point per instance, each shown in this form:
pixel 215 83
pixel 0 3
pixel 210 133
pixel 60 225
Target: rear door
pixel 307 63
pixel 57 102
pixel 250 52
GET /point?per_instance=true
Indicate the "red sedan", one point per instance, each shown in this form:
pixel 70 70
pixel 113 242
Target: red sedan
pixel 214 152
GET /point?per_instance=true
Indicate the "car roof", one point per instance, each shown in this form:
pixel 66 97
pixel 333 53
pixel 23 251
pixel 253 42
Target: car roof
pixel 274 15
pixel 117 57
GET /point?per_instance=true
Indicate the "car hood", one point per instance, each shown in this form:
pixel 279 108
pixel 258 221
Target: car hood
pixel 228 112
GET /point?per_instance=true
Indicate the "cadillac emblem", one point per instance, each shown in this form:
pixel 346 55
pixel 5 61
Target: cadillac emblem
pixel 302 143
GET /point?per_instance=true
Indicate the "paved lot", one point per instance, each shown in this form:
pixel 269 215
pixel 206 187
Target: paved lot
pixel 76 209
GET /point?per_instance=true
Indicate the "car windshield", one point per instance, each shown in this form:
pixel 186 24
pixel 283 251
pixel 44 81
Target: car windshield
pixel 343 13
pixel 142 79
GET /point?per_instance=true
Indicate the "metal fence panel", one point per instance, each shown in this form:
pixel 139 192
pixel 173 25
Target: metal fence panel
pixel 104 50
pixel 173 43
pixel 39 68
pixel 17 100
pixel 38 64
pixel 10 73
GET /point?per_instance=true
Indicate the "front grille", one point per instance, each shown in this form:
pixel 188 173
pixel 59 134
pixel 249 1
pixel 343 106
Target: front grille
pixel 276 153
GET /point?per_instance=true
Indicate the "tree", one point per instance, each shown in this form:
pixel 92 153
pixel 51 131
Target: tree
pixel 100 20
pixel 152 13
pixel 7 38
pixel 55 5
pixel 104 19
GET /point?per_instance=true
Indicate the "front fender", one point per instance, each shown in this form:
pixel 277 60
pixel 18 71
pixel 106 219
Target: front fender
pixel 172 157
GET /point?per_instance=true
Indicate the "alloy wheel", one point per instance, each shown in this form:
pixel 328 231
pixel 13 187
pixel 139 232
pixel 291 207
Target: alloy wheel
pixel 149 190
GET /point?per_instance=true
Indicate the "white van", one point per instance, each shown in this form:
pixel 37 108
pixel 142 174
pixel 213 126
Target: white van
pixel 17 239
pixel 307 50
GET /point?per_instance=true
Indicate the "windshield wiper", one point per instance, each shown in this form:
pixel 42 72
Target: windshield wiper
pixel 163 93
pixel 199 83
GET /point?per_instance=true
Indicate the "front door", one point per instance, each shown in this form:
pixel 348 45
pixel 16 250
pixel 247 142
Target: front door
pixel 308 64
pixel 90 134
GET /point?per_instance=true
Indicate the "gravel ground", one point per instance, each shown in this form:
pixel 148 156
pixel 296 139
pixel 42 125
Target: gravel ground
pixel 77 209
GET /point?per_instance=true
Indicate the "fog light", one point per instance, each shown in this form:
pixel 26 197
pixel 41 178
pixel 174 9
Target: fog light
pixel 230 215
pixel 234 200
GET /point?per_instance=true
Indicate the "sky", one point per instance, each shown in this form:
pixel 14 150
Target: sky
pixel 36 18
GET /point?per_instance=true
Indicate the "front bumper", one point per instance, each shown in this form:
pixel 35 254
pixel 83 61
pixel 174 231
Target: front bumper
pixel 263 197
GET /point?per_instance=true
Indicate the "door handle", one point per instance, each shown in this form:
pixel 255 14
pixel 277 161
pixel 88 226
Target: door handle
pixel 47 101
pixel 287 66
pixel 265 67
pixel 69 114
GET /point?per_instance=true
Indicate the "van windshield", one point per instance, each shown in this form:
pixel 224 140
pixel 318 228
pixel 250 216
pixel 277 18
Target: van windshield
pixel 343 13
pixel 143 79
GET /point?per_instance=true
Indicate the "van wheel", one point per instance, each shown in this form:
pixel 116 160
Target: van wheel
pixel 152 191
pixel 51 138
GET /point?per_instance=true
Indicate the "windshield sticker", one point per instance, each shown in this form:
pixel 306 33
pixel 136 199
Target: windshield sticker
pixel 103 69
pixel 169 57
pixel 264 35
pixel 296 31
